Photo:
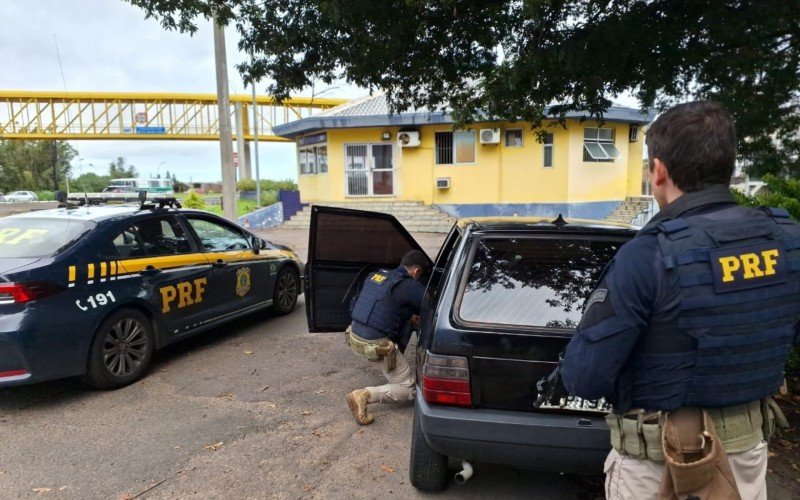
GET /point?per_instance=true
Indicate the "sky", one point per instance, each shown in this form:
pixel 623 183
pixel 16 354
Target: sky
pixel 108 46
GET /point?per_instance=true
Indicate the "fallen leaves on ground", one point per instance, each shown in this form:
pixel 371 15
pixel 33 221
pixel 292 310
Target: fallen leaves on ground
pixel 307 488
pixel 387 468
pixel 127 496
pixel 306 413
pixel 42 490
pixel 320 391
pixel 214 447
pixel 248 352
pixel 317 433
pixel 771 454
pixel 264 388
pixel 226 395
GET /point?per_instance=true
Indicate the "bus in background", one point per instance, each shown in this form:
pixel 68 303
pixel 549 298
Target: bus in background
pixel 135 185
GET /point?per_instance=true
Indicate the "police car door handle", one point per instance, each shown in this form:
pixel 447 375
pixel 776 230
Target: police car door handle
pixel 220 263
pixel 150 270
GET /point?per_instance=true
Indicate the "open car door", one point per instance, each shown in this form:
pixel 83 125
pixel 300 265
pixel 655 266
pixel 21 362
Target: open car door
pixel 344 247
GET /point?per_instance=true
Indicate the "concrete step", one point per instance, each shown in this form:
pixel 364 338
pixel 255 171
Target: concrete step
pixel 414 216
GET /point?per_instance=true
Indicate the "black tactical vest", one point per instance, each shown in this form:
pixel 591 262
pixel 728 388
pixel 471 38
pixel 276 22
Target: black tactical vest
pixel 376 307
pixel 734 275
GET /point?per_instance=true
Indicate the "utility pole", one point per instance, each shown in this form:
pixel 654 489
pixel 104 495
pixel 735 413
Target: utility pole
pixel 225 133
pixel 255 143
pixel 54 160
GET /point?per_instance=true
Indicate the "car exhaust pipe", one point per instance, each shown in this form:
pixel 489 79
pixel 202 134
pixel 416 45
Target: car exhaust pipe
pixel 463 476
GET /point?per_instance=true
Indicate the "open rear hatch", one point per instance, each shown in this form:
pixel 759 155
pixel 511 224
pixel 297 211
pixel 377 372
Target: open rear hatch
pixel 515 307
pixel 344 247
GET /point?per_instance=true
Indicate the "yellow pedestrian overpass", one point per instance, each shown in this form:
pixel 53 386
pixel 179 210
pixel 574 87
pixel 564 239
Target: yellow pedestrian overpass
pixel 51 115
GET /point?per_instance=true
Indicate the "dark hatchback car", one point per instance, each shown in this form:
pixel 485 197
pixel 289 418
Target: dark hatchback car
pixel 95 290
pixel 503 299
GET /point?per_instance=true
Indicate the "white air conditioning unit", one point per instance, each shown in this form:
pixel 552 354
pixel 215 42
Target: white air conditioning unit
pixel 490 136
pixel 443 183
pixel 408 139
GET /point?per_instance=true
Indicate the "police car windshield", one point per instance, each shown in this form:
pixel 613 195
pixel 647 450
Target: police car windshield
pixel 33 237
pixel 531 282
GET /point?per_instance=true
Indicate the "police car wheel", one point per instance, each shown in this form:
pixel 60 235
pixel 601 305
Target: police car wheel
pixel 121 350
pixel 428 468
pixel 287 288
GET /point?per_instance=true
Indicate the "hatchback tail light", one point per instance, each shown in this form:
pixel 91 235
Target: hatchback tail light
pixel 445 380
pixel 15 293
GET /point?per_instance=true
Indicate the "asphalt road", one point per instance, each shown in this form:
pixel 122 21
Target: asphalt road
pixel 254 409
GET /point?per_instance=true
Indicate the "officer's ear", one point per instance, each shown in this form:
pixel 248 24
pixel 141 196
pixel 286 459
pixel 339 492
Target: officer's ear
pixel 659 175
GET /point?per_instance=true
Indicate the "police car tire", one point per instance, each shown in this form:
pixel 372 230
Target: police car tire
pixel 98 374
pixel 428 468
pixel 285 276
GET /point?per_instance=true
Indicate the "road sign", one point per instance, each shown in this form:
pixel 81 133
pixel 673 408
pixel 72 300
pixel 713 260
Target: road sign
pixel 151 130
pixel 140 117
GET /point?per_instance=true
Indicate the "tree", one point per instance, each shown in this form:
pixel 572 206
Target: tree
pixel 509 59
pixel 28 165
pixel 90 183
pixel 118 170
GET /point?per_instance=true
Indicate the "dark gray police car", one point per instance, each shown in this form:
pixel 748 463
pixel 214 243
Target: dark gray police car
pixel 95 290
pixel 503 299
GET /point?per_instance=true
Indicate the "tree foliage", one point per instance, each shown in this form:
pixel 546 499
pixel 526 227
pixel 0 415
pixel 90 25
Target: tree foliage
pixel 509 59
pixel 117 169
pixel 28 165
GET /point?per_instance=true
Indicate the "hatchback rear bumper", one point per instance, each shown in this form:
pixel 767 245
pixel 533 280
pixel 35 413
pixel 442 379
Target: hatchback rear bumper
pixel 569 443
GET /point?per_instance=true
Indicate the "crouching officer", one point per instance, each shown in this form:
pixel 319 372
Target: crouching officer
pixel 689 328
pixel 388 302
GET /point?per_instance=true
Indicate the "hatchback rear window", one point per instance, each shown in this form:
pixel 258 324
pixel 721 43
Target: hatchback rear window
pixel 30 237
pixel 532 282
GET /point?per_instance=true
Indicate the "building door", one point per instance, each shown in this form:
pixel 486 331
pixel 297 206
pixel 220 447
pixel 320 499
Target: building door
pixel 369 169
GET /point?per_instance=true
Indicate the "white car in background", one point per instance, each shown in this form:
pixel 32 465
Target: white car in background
pixel 21 196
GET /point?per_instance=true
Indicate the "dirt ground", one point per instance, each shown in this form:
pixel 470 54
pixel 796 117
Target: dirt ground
pixel 784 462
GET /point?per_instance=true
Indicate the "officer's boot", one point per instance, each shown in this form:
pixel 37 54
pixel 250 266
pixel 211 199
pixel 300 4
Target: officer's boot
pixel 357 401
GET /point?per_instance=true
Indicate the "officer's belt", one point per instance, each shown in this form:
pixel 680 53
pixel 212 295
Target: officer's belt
pixel 740 427
pixel 373 350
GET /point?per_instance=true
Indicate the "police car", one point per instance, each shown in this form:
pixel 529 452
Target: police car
pixel 95 290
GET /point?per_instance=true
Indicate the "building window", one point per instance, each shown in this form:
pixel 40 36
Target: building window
pixel 514 138
pixel 547 146
pixel 598 145
pixel 313 159
pixel 453 148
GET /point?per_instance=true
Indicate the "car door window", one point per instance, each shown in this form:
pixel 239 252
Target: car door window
pixel 443 260
pixel 150 237
pixel 216 237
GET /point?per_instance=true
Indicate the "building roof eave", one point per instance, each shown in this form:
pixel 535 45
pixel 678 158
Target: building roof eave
pixel 331 121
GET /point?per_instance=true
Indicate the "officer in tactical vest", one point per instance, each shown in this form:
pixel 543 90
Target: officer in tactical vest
pixel 382 316
pixel 688 330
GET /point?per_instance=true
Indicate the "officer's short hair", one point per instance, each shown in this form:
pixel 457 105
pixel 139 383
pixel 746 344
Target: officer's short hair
pixel 697 143
pixel 415 258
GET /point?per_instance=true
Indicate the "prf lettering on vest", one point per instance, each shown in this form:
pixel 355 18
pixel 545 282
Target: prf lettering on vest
pixel 752 265
pixel 186 293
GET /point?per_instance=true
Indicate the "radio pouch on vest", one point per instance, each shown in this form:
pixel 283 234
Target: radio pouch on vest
pixel 696 465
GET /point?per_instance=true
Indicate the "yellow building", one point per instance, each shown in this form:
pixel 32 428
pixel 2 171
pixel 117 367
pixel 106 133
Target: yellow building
pixel 360 152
